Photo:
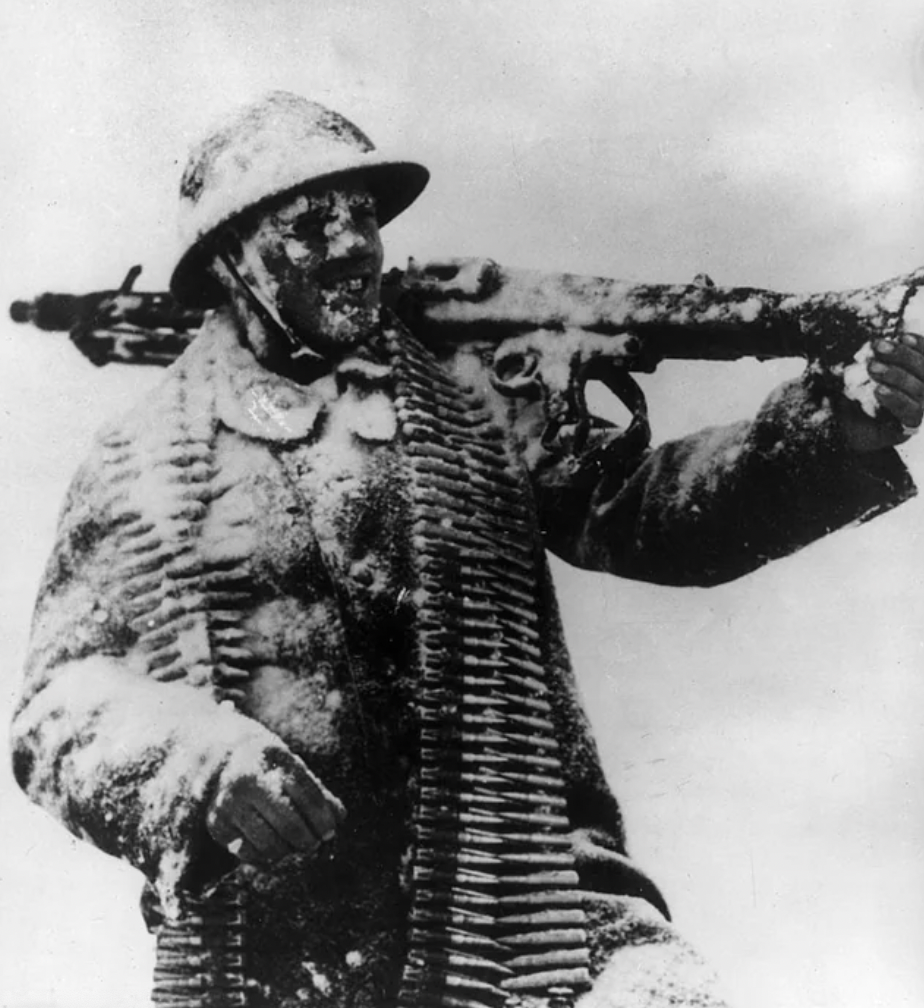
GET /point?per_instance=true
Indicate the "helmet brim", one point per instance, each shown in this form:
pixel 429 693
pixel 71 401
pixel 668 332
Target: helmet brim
pixel 394 185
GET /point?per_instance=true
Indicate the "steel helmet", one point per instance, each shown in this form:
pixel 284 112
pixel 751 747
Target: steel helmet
pixel 272 147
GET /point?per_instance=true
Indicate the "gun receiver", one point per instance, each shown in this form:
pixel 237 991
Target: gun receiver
pixel 549 334
pixel 462 300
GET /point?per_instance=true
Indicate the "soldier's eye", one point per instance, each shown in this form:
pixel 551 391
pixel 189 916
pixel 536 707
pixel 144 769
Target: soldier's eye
pixel 310 227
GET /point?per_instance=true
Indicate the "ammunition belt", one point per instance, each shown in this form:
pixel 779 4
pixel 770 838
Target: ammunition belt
pixel 496 909
pixel 187 615
pixel 200 959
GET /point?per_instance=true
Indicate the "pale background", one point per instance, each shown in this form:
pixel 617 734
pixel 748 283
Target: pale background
pixel 765 737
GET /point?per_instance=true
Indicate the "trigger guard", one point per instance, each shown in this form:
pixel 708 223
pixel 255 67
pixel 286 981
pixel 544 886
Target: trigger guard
pixel 637 436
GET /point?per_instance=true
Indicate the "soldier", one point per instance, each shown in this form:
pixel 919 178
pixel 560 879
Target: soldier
pixel 296 654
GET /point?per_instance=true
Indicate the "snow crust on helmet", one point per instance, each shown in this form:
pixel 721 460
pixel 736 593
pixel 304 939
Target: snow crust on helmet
pixel 266 150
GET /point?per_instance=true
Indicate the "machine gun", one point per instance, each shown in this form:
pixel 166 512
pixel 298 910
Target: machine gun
pixel 545 335
pixel 120 326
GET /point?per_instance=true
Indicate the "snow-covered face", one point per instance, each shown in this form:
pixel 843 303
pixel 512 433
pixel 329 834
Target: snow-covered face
pixel 318 259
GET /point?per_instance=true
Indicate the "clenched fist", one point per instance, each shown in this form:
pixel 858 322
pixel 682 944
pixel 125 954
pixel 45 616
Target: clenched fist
pixel 268 805
pixel 896 368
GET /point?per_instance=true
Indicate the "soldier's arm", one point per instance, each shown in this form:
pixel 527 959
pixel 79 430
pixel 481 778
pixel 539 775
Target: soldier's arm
pixel 160 774
pixel 713 506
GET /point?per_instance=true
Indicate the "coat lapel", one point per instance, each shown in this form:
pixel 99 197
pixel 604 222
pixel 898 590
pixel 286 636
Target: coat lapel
pixel 251 400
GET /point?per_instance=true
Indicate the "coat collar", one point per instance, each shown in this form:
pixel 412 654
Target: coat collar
pixel 268 406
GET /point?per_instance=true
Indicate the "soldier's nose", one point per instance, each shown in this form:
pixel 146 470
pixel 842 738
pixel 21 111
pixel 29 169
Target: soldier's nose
pixel 352 241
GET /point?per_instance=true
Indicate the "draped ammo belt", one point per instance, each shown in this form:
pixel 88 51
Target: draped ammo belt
pixel 496 909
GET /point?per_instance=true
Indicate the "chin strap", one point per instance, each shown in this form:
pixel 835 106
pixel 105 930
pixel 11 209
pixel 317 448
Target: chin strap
pixel 266 311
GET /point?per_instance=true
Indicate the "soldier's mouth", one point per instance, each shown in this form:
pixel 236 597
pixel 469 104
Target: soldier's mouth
pixel 346 289
pixel 354 285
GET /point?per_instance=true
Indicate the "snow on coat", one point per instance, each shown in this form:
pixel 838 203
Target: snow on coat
pixel 234 568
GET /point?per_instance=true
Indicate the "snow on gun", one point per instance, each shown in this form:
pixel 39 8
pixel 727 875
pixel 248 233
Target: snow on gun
pixel 551 333
pixel 548 334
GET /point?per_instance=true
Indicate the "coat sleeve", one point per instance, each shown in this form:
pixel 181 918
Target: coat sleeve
pixel 122 759
pixel 713 506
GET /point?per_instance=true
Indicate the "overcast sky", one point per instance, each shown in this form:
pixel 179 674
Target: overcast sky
pixel 765 737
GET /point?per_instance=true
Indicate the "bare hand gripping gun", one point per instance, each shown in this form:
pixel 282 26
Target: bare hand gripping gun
pixel 545 335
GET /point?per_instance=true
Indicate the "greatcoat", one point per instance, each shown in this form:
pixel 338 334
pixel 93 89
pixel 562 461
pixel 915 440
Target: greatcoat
pixel 235 569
